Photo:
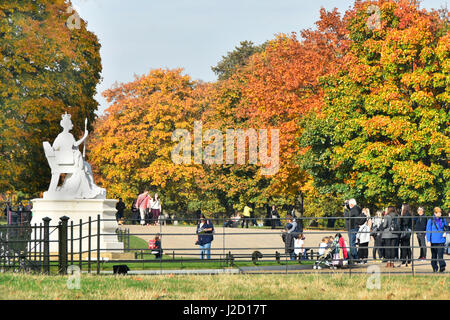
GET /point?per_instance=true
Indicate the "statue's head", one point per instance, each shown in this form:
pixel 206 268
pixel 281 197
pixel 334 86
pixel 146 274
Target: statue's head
pixel 66 122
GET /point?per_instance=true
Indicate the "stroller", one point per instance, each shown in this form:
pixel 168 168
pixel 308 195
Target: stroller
pixel 333 257
pixel 326 259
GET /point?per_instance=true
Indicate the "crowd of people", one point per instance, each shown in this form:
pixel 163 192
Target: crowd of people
pixel 391 230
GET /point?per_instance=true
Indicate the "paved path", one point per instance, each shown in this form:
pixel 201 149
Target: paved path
pixel 181 239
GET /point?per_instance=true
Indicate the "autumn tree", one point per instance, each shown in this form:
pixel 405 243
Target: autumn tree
pixel 233 185
pixel 382 135
pixel 273 89
pixel 281 85
pixel 46 69
pixel 131 149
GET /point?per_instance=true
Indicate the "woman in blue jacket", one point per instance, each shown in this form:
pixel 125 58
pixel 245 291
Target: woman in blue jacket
pixel 436 236
pixel 205 230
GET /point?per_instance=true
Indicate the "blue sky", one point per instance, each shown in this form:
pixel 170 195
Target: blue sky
pixel 140 35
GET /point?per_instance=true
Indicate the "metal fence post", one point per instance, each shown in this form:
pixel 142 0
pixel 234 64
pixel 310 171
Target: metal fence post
pixel 63 244
pixel 35 242
pixel 412 248
pixel 46 245
pixel 128 242
pixel 89 244
pixel 40 247
pixel 71 242
pixel 80 256
pixel 98 244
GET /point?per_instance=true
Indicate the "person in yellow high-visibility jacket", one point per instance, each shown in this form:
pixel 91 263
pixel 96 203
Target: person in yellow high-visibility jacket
pixel 246 216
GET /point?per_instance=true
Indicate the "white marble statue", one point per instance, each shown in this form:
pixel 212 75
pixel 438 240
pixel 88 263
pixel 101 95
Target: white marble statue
pixel 64 157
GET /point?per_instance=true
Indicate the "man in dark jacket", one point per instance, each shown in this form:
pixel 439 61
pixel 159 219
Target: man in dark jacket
pixel 354 218
pixel 120 206
pixel 420 227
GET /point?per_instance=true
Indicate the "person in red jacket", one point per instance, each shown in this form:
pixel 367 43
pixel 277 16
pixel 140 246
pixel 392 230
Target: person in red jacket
pixel 343 245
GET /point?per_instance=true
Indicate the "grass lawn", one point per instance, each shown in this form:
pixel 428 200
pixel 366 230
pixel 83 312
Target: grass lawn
pixel 224 287
pixel 167 263
pixel 138 243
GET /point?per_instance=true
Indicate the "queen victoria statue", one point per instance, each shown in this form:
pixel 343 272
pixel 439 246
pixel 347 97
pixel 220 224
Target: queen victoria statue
pixel 65 157
pixel 78 197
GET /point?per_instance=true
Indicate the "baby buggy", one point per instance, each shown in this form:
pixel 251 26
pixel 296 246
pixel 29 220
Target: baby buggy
pixel 334 256
pixel 326 259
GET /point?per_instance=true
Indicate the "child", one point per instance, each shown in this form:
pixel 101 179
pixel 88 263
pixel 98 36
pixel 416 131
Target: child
pixel 299 249
pixel 330 240
pixel 156 250
pixel 340 257
pixel 323 245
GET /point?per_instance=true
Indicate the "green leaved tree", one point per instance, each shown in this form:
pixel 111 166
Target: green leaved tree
pixel 383 136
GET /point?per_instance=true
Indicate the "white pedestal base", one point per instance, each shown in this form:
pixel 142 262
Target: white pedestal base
pixel 76 210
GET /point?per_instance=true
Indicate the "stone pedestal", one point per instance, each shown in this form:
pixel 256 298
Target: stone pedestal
pixel 76 210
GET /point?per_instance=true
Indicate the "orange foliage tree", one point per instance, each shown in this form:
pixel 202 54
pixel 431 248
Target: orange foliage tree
pixel 131 149
pixel 274 90
pixel 46 69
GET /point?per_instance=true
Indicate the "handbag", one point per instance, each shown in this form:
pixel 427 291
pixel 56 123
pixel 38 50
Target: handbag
pixel 405 233
pixel 375 232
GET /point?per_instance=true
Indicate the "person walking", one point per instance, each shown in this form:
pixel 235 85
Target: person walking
pixel 120 207
pixel 155 209
pixel 389 237
pixel 363 237
pixel 141 204
pixel 437 231
pixel 354 219
pixel 148 211
pixel 205 230
pixel 420 227
pixel 405 221
pixel 376 234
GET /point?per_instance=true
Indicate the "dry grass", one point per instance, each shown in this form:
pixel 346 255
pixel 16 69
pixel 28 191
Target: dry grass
pixel 225 287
